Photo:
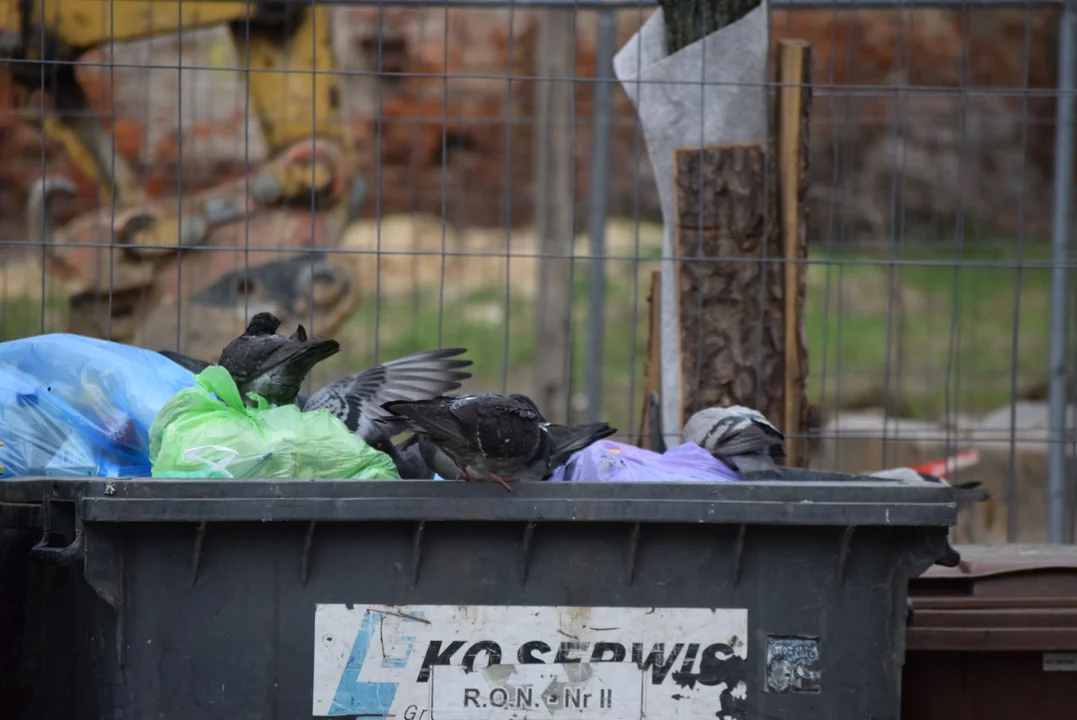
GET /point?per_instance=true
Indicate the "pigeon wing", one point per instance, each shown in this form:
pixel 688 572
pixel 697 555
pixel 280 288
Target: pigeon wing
pixel 358 398
pixel 501 428
pixel 434 417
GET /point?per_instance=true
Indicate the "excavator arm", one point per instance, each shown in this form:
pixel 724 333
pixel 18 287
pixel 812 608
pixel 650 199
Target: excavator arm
pixel 284 47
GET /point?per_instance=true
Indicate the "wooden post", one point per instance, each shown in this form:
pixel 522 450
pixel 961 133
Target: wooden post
pixel 554 169
pixel 794 116
pixel 652 371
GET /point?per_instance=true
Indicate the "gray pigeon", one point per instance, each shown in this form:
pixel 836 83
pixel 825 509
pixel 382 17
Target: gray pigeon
pixel 273 366
pixel 738 436
pixel 358 398
pixel 498 438
pixel 419 449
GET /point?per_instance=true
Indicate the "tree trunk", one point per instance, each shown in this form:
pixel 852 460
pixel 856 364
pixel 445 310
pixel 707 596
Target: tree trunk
pixel 689 21
pixel 729 285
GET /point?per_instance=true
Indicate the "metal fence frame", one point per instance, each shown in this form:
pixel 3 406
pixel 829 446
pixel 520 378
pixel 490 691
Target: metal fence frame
pixel 1064 165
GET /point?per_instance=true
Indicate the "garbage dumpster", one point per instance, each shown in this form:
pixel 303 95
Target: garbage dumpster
pixel 433 601
pixel 20 529
pixel 995 637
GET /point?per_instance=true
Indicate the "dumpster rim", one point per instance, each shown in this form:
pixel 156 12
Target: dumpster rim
pixel 843 503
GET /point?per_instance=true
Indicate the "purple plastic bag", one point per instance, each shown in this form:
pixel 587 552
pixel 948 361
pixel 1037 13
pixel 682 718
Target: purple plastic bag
pixel 609 461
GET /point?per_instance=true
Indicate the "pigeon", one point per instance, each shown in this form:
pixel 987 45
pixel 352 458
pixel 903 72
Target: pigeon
pixel 270 365
pixel 654 424
pixel 498 438
pixel 357 399
pixel 410 464
pixel 738 436
pixel 196 366
pixel 568 439
pixel 419 450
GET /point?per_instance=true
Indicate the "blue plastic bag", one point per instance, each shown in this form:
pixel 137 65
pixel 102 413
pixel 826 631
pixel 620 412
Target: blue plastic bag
pixel 609 461
pixel 78 406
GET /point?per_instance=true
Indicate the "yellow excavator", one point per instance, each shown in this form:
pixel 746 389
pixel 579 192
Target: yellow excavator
pixel 285 49
pixel 285 46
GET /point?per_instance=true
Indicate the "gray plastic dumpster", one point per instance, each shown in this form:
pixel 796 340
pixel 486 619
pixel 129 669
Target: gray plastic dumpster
pixel 443 601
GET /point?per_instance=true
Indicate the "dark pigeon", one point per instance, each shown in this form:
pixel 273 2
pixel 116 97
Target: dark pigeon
pixel 270 365
pixel 409 463
pixel 738 436
pixel 567 439
pixel 494 437
pixel 357 399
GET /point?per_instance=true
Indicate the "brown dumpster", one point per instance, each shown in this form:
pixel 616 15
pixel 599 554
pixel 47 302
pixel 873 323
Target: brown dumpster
pixel 994 637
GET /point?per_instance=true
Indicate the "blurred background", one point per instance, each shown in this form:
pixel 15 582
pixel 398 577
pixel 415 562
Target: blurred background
pixel 928 286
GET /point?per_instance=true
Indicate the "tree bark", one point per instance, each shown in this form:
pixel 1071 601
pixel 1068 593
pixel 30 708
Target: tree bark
pixel 689 21
pixel 729 283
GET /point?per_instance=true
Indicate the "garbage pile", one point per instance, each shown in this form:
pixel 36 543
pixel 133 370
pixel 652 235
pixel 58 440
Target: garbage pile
pixel 79 406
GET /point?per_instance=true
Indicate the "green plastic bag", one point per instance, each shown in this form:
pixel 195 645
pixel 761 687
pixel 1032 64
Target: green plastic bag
pixel 198 435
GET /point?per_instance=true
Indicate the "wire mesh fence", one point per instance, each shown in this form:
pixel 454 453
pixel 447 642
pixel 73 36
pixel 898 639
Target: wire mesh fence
pixel 410 175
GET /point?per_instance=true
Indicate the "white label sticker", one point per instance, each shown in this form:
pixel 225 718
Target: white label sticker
pixel 606 691
pixel 444 662
pixel 1060 662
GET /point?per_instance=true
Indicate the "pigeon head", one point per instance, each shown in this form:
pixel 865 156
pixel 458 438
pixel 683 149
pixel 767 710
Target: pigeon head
pixel 263 323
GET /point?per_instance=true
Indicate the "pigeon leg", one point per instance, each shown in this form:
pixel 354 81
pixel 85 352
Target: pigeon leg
pixel 502 480
pixel 462 475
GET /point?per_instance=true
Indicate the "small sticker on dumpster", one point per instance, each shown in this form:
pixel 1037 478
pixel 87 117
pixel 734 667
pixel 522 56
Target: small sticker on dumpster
pixel 792 664
pixel 481 662
pixel 1060 662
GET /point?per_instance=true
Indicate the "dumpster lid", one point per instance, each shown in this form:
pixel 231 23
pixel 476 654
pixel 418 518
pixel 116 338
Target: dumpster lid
pixel 839 502
pixel 999 598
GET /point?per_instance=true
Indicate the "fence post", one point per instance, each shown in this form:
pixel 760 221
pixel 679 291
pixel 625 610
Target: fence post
pixel 554 209
pixel 601 118
pixel 1059 392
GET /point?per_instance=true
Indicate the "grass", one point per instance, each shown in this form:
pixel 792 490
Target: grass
pixel 952 350
pixel 23 317
pixel 951 347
